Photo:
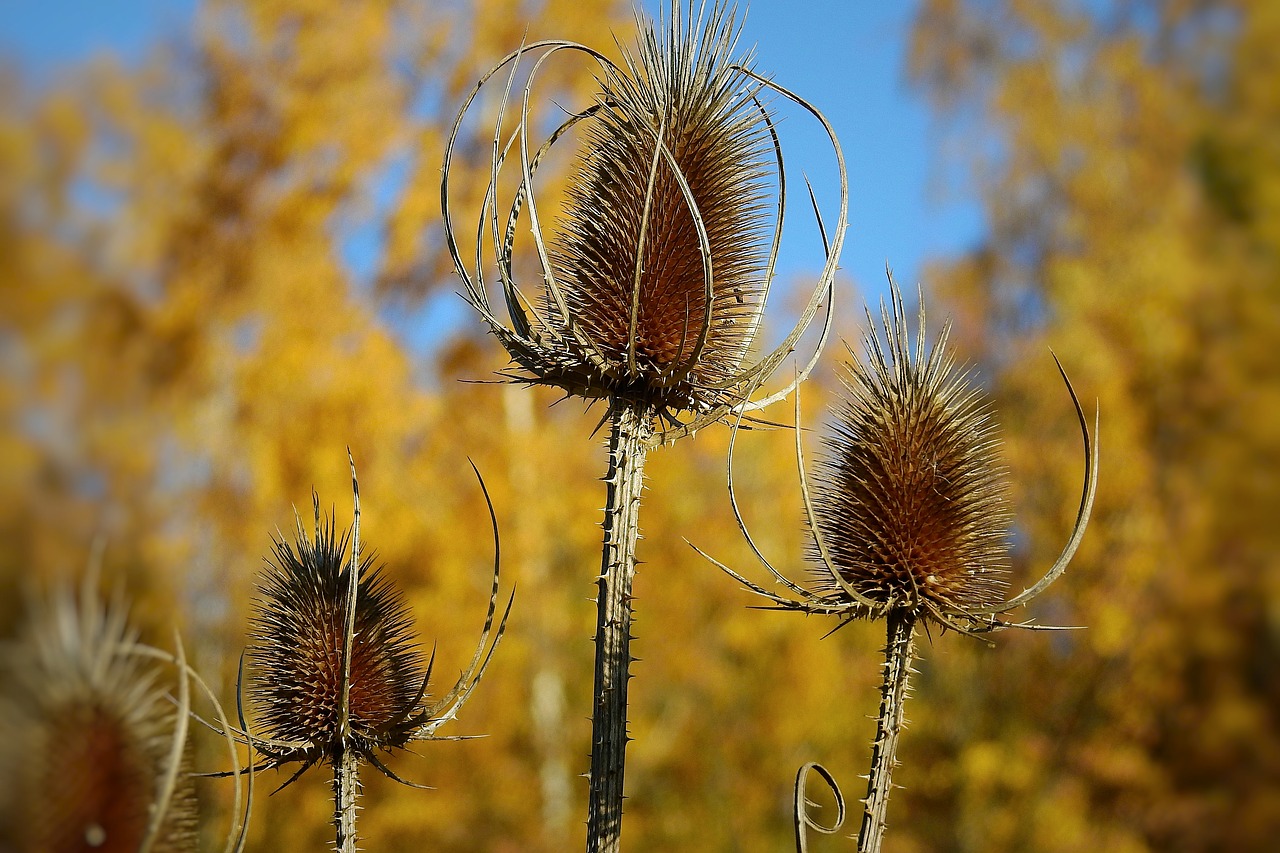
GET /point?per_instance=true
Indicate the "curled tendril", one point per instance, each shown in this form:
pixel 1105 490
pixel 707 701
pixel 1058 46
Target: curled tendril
pixel 802 803
pixel 242 795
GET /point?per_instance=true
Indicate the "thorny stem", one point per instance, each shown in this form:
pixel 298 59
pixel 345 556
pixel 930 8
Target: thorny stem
pixel 628 439
pixel 346 788
pixel 899 651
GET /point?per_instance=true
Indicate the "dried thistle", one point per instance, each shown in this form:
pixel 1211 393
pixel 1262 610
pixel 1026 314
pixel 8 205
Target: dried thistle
pixel 93 751
pixel 909 519
pixel 654 282
pixel 338 675
pixel 909 500
pixel 297 648
pixel 628 255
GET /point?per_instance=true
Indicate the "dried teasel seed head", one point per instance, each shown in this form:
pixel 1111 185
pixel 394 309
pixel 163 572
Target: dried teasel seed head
pixel 628 254
pixel 86 737
pixel 298 630
pixel 654 278
pixel 909 496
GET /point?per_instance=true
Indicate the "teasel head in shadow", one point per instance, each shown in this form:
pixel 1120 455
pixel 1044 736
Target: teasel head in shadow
pixel 655 278
pixel 93 754
pixel 338 676
pixel 908 515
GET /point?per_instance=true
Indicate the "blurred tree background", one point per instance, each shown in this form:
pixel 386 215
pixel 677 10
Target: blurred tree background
pixel 186 350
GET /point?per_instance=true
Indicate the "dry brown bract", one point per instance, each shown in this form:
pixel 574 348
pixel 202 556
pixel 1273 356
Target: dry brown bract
pixel 909 523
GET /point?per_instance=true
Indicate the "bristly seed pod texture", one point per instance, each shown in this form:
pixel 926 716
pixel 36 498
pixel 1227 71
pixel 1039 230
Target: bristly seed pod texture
pixel 654 280
pixel 629 254
pixel 909 495
pixel 337 672
pixel 297 650
pixel 653 283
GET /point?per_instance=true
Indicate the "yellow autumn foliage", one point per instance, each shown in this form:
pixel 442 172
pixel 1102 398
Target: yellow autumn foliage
pixel 224 266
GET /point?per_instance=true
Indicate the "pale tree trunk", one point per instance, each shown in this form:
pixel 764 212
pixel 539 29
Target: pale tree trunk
pixel 529 550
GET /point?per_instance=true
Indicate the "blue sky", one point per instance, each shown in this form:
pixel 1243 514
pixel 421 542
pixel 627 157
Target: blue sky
pixel 848 58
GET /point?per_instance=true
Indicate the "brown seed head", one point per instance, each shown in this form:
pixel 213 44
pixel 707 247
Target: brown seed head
pixel 678 118
pixel 654 280
pixel 297 648
pixel 909 496
pixel 87 737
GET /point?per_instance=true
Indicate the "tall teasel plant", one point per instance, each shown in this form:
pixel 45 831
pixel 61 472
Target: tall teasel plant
pixel 338 675
pixel 909 522
pixel 654 281
pixel 94 738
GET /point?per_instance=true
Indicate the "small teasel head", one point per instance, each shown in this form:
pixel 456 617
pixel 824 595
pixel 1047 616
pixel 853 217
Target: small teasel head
pixel 336 665
pixel 655 278
pixel 908 507
pixel 88 758
pixel 910 502
pixel 298 647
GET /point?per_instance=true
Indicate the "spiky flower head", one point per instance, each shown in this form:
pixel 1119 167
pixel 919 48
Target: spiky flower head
pixel 908 510
pixel 299 629
pixel 655 277
pixel 910 498
pixel 87 737
pixel 628 253
pixel 337 670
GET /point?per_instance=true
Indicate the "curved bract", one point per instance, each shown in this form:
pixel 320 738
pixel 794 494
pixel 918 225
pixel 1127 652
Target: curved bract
pixel 907 512
pixel 655 278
